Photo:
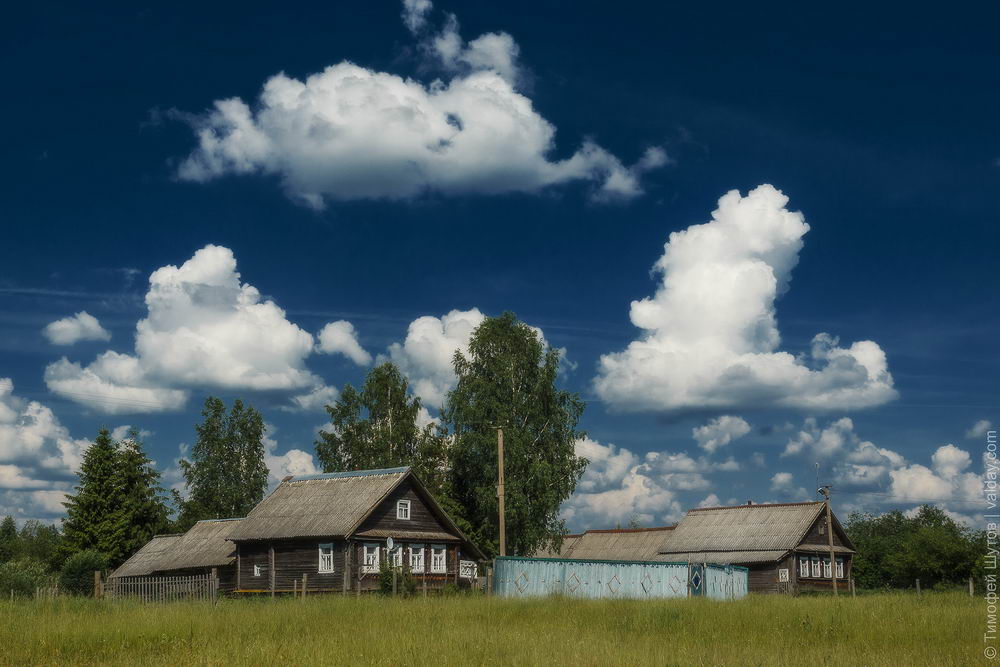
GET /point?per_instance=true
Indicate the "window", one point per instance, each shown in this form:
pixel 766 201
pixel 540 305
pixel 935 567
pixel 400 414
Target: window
pixel 826 568
pixel 403 509
pixel 815 563
pixel 803 566
pixel 840 568
pixel 326 558
pixel 416 558
pixel 370 561
pixel 438 562
pixel 258 571
pixel 396 556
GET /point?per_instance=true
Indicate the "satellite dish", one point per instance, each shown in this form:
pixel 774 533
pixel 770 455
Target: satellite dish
pixel 389 543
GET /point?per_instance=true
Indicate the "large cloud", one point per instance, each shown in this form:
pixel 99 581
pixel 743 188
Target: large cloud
pixel 38 457
pixel 710 337
pixel 350 132
pixel 204 328
pixel 719 432
pixel 69 330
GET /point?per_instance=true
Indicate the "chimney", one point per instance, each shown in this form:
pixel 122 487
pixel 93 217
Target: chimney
pixel 749 503
pixel 288 477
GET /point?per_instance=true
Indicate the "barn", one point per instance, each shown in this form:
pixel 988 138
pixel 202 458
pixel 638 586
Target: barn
pixel 331 532
pixel 203 548
pixel 784 545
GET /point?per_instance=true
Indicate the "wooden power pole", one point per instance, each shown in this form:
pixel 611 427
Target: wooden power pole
pixel 503 522
pixel 825 490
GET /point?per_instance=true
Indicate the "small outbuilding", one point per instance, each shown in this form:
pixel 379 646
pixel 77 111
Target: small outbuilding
pixel 636 544
pixel 203 548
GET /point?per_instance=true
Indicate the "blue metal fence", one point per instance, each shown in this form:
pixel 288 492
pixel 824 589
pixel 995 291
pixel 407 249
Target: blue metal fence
pixel 528 577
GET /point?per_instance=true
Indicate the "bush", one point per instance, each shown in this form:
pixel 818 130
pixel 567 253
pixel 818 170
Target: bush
pixel 23 576
pixel 77 574
pixel 406 585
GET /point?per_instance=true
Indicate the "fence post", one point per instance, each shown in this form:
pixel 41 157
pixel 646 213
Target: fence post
pixel 853 593
pixel 972 588
pixel 215 585
pixel 394 582
pixel 97 584
pixel 489 580
pixel 918 587
pixel 305 584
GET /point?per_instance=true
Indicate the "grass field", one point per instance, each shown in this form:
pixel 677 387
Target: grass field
pixel 890 629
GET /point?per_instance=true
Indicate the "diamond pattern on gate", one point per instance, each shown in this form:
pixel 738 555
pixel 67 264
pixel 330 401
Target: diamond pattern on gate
pixel 696 579
pixel 521 583
pixel 647 583
pixel 615 584
pixel 676 585
pixel 573 582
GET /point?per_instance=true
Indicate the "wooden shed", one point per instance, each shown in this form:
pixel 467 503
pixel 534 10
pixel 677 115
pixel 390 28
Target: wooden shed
pixel 784 545
pixel 334 531
pixel 206 546
pixel 631 544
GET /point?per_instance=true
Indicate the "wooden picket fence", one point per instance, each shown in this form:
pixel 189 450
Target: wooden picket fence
pixel 163 589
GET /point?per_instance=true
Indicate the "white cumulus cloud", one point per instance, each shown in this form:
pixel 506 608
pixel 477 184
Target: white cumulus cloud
pixel 203 328
pixel 69 330
pixel 719 432
pixel 979 429
pixel 349 132
pixel 340 338
pixel 710 337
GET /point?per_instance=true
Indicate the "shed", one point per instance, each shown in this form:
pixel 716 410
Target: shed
pixel 639 544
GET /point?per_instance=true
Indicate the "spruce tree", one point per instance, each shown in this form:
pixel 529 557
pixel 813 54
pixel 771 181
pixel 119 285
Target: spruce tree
pixel 226 475
pixel 143 512
pixel 90 521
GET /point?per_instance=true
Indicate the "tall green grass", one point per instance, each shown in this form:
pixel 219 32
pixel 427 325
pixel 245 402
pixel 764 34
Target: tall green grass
pixel 889 629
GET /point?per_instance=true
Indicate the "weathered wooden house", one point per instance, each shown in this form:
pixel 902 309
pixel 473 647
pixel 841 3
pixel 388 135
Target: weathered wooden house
pixel 784 545
pixel 202 549
pixel 331 532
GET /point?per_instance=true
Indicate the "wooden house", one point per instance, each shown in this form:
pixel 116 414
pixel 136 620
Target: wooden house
pixel 333 531
pixel 203 548
pixel 784 545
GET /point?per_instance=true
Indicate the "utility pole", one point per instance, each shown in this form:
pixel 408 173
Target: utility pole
pixel 825 490
pixel 503 521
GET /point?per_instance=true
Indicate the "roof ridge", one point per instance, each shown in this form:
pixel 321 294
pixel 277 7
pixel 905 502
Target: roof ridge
pixel 347 474
pixel 736 507
pixel 235 518
pixel 626 530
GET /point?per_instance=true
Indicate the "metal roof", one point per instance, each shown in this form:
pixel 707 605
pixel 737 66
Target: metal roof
pixel 326 505
pixel 743 528
pixel 206 544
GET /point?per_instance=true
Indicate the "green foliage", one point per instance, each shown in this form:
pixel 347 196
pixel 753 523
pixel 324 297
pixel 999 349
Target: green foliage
pixel 40 542
pixel 22 576
pixel 406 584
pixel 77 575
pixel 509 380
pixel 91 521
pixel 377 428
pixel 226 475
pixel 894 550
pixel 117 507
pixel 143 511
pixel 8 538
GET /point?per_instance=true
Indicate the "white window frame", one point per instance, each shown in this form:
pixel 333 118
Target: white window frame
pixel 803 566
pixel 325 565
pixel 370 557
pixel 417 558
pixel 396 556
pixel 439 550
pixel 840 568
pixel 826 568
pixel 258 571
pixel 403 510
pixel 816 567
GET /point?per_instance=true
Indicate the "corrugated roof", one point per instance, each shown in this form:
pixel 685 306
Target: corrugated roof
pixel 563 551
pixel 329 505
pixel 723 557
pixel 822 548
pixel 772 527
pixel 206 544
pixel 382 533
pixel 621 544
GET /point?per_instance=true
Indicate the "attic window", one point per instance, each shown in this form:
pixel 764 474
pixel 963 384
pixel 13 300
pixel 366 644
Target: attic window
pixel 403 510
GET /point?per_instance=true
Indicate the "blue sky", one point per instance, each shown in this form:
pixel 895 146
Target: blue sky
pixel 447 161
